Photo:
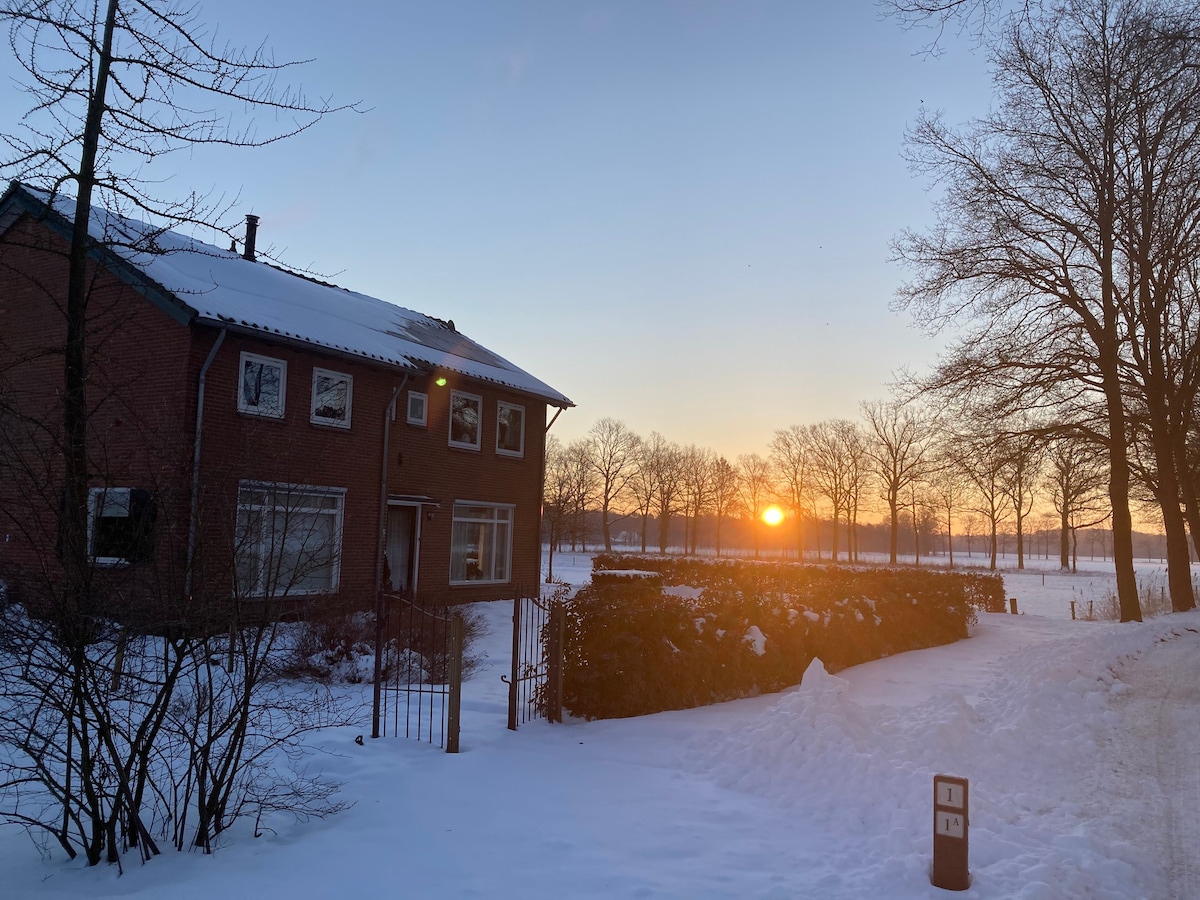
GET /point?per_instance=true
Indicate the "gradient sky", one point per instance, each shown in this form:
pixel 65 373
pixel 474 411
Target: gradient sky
pixel 677 212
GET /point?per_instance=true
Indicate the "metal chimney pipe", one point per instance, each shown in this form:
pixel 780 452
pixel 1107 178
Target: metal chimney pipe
pixel 251 234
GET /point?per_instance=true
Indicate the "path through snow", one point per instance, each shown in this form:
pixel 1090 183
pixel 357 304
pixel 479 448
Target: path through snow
pixel 1153 755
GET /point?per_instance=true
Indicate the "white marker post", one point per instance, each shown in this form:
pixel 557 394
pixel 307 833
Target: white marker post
pixel 950 822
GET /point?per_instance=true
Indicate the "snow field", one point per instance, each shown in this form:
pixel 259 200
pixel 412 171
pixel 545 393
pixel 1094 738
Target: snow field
pixel 821 791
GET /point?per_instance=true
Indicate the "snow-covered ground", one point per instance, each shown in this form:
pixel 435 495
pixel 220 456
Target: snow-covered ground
pixel 1079 740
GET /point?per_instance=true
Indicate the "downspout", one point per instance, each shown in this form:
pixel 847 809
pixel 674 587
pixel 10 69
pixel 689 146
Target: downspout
pixel 379 549
pixel 542 504
pixel 193 515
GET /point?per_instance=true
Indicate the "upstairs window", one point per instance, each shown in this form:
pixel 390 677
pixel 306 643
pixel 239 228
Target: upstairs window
pixel 466 412
pixel 332 394
pixel 120 525
pixel 510 429
pixel 261 385
pixel 418 408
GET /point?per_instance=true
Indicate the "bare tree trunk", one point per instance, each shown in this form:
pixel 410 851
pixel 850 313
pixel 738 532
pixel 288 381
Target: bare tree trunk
pixel 894 526
pixel 1064 536
pixel 1179 563
pixel 75 452
pixel 1118 493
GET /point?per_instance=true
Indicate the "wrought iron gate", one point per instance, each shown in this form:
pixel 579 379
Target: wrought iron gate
pixel 535 687
pixel 418 665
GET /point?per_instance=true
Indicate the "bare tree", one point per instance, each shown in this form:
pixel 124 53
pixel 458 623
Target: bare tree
pixel 567 490
pixel 976 18
pixel 791 457
pixel 643 488
pixel 696 490
pixel 1076 480
pixel 1021 472
pixel 111 87
pixel 725 495
pixel 858 474
pixel 981 459
pixel 921 518
pixel 1060 228
pixel 613 457
pixel 583 490
pixel 970 527
pixel 833 469
pixel 754 488
pixel 135 740
pixel 897 447
pixel 656 486
pixel 947 488
pixel 669 463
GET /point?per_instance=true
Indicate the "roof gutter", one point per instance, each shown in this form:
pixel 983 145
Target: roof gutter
pixel 194 514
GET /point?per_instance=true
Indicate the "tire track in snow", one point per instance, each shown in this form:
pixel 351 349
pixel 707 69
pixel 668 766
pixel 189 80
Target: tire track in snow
pixel 1161 714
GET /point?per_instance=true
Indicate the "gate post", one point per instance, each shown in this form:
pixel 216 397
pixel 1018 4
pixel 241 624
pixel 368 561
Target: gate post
pixel 516 664
pixel 456 669
pixel 555 641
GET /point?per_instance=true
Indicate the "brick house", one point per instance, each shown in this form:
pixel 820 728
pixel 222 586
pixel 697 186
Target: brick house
pixel 257 435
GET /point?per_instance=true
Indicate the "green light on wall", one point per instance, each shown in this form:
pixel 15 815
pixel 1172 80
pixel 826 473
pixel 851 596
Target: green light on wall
pixel 441 382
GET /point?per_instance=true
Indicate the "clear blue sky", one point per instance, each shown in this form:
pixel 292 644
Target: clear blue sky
pixel 677 212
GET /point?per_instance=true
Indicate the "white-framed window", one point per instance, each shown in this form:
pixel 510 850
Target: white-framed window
pixel 288 540
pixel 466 414
pixel 418 408
pixel 119 525
pixel 262 383
pixel 481 542
pixel 332 397
pixel 510 429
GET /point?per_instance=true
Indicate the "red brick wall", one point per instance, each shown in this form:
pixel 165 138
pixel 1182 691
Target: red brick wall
pixel 428 465
pixel 138 399
pixel 421 462
pixel 143 377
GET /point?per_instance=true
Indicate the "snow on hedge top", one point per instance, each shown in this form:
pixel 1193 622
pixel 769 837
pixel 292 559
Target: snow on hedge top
pixel 224 289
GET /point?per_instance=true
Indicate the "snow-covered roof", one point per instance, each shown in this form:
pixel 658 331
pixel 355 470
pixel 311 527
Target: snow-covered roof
pixel 221 288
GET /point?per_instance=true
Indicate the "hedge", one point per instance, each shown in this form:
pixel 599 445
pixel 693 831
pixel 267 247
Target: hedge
pixel 724 629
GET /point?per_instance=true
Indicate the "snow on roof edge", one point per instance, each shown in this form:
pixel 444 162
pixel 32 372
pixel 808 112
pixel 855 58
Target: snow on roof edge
pixel 221 289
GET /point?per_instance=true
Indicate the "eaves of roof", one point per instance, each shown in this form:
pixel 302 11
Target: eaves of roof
pixel 19 199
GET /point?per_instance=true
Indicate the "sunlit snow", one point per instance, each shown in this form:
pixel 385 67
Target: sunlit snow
pixel 821 791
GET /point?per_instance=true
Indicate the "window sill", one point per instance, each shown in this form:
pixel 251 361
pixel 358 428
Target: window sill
pixel 261 415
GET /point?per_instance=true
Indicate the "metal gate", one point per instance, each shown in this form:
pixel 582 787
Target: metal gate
pixel 418 665
pixel 535 686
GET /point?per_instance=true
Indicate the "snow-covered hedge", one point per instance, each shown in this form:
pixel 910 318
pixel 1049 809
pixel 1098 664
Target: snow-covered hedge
pixel 722 629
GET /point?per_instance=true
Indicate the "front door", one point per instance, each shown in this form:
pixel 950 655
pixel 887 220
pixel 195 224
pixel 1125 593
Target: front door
pixel 401 548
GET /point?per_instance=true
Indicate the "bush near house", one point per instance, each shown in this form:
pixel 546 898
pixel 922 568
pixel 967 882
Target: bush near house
pixel 723 629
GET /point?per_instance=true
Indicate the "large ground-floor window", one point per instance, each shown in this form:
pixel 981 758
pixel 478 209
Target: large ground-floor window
pixel 289 539
pixel 481 543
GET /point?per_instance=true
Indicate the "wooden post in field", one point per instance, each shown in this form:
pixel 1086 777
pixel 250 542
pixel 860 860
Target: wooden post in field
pixel 950 822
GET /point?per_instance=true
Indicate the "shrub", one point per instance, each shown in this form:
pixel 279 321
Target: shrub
pixel 340 647
pixel 746 627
